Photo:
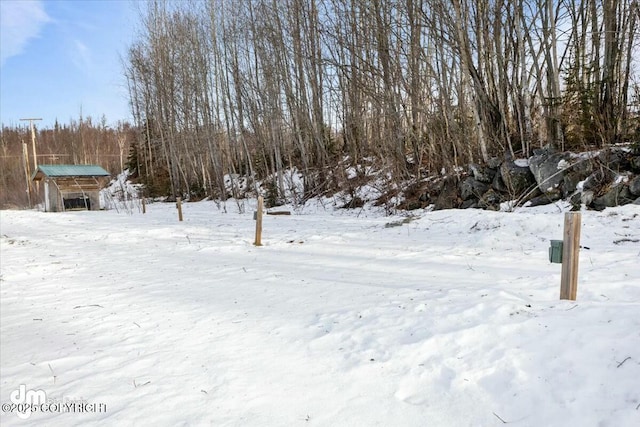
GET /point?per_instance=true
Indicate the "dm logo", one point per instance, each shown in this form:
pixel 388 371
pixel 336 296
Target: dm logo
pixel 26 400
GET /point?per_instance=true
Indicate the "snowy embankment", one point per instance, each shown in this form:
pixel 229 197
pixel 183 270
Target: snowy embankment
pixel 450 318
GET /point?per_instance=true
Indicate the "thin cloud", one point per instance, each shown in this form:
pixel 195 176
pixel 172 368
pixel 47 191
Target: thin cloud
pixel 81 56
pixel 20 21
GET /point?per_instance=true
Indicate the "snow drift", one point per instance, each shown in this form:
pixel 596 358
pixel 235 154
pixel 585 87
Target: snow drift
pixel 342 318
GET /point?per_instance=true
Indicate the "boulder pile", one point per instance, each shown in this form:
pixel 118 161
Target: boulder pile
pixel 596 180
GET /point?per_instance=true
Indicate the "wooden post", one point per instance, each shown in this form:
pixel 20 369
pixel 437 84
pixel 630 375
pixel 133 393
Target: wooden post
pixel 27 172
pixel 144 205
pixel 258 241
pixel 33 141
pixel 570 255
pixel 179 206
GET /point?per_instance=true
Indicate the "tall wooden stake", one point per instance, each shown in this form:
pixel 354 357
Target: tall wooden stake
pixel 258 241
pixel 179 206
pixel 33 142
pixel 144 205
pixel 570 255
pixel 35 156
pixel 27 172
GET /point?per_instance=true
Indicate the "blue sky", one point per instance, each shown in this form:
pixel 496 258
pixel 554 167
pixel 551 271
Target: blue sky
pixel 60 59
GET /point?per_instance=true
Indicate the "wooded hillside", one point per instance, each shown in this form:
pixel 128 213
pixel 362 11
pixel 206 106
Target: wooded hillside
pixel 254 86
pixel 411 87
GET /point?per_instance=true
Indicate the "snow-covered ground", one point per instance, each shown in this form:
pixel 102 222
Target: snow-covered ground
pixel 342 318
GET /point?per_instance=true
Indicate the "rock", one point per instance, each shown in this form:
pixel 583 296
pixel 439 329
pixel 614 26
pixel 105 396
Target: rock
pixel 570 183
pixel 614 159
pixel 490 200
pixel 494 162
pixel 481 173
pixel 547 169
pixel 518 179
pixel 598 179
pixel 498 184
pixel 470 187
pixel 583 167
pixel 413 205
pixel 590 180
pixel 545 199
pixel 576 200
pixel 586 197
pixel 532 194
pixel 436 186
pixel 448 197
pixel 616 196
pixel 577 172
pixel 625 196
pixel 468 204
pixel 634 186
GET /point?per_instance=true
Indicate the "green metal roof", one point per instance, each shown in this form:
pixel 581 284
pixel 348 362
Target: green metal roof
pixel 54 171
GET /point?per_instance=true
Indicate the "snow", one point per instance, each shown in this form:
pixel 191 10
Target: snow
pixel 342 318
pixel 120 194
pixel 563 164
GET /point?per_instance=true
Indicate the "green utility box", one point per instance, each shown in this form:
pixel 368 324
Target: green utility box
pixel 555 252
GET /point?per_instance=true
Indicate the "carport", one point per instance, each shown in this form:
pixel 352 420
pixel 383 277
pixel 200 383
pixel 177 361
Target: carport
pixel 71 187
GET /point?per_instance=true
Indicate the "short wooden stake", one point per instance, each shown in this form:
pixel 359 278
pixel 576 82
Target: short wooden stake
pixel 179 206
pixel 258 241
pixel 570 255
pixel 144 205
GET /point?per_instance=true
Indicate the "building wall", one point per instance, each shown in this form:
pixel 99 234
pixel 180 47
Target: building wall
pixel 55 197
pixel 54 203
pixel 94 196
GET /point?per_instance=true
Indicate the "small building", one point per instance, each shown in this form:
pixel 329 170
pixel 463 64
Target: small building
pixel 71 187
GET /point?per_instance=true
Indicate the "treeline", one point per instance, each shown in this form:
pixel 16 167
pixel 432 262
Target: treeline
pixel 84 141
pixel 225 90
pixel 249 87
